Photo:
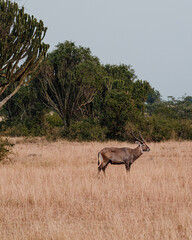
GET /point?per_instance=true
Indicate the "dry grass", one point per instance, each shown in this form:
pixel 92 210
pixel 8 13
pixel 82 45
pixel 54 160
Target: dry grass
pixel 51 191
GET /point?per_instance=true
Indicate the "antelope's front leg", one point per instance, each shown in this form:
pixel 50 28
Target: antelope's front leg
pixel 127 166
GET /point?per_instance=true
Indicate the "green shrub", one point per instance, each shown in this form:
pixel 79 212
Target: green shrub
pixel 5 147
pixel 18 129
pixel 87 130
pixel 184 129
pixel 53 120
pixel 158 128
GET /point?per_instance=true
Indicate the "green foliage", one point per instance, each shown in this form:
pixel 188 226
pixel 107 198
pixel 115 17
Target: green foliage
pixel 53 120
pixel 70 80
pixel 21 48
pixel 185 129
pixel 160 128
pixel 121 72
pixel 178 109
pixel 118 109
pixel 24 113
pixel 153 96
pixel 5 148
pixel 139 92
pixel 25 128
pixel 121 100
pixel 90 101
pixel 86 130
pixel 170 119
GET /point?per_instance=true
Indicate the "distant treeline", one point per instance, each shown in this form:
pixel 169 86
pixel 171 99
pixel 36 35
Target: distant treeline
pixel 74 96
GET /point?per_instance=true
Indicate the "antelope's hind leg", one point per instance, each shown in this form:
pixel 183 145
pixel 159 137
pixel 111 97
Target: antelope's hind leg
pixel 103 167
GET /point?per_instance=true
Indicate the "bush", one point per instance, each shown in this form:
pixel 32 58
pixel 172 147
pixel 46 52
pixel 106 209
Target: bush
pixel 86 130
pixel 158 128
pixel 53 120
pixel 18 129
pixel 5 147
pixel 184 129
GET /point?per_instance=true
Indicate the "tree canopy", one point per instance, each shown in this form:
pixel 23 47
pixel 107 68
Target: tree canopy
pixel 21 48
pixel 69 80
pixel 92 101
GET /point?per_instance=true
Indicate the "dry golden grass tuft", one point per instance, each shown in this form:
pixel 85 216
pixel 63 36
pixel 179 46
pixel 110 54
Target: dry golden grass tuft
pixel 51 191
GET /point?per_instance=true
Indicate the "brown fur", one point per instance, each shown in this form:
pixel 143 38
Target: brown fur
pixel 124 156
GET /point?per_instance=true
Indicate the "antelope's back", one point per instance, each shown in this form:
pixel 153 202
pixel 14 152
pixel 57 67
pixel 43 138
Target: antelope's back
pixel 116 154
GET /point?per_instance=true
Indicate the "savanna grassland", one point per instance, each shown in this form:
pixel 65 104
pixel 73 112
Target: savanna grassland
pixel 50 190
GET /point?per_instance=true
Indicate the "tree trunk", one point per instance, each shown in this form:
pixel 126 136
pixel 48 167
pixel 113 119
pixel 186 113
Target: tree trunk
pixel 3 102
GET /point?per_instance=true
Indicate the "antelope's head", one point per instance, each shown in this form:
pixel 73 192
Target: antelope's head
pixel 141 143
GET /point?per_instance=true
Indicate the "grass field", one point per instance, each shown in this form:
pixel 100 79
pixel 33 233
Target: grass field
pixel 50 190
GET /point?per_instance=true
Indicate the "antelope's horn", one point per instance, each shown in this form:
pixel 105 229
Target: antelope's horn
pixel 136 137
pixel 141 137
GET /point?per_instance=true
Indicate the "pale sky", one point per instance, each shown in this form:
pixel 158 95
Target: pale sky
pixel 154 36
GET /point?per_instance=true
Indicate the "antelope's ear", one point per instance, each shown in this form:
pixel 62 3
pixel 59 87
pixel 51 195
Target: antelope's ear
pixel 138 143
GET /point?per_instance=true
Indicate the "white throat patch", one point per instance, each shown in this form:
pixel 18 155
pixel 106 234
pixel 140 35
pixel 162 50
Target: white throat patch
pixel 141 149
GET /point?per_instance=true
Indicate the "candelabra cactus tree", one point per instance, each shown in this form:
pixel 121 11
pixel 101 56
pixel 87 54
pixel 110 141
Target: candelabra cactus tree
pixel 21 48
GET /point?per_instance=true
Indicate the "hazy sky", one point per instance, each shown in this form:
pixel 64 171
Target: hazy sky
pixel 153 36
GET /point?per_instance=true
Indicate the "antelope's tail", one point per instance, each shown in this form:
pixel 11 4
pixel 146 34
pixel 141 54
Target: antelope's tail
pixel 100 158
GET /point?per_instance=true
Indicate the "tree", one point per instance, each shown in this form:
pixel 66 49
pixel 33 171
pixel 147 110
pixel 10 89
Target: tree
pixel 70 79
pixel 21 48
pixel 153 96
pixel 119 77
pixel 118 109
pixel 121 72
pixel 121 100
pixel 139 92
pixel 25 110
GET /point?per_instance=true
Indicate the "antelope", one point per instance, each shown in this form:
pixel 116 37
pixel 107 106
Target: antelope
pixel 127 156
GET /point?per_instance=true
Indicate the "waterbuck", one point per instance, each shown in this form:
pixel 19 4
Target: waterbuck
pixel 124 155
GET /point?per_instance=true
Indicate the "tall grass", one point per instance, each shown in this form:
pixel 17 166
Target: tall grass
pixel 52 191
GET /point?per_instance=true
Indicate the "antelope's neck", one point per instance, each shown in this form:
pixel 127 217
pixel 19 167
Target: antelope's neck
pixel 137 153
